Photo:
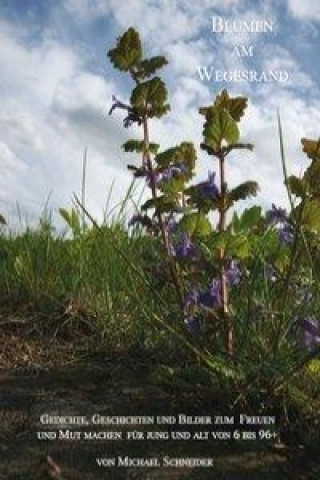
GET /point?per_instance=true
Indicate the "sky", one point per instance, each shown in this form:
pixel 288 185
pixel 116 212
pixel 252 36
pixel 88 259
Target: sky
pixel 56 87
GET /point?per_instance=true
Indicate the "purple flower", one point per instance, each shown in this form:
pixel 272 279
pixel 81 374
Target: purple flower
pixel 185 247
pixel 208 188
pixel 285 234
pixel 276 215
pixel 233 273
pixel 311 331
pixel 211 297
pixel 132 115
pixel 117 104
pixel 192 324
pixel 152 178
pixel 129 120
pixel 173 171
pixel 279 216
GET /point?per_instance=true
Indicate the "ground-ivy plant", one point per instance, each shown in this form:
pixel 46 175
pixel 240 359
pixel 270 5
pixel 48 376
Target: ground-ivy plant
pixel 177 210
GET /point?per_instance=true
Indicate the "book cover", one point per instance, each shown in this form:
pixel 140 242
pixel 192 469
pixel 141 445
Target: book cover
pixel 159 239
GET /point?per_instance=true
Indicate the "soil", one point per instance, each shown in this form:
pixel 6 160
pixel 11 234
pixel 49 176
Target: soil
pixel 42 372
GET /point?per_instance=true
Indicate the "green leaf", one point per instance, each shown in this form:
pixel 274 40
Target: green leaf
pixel 249 219
pixel 238 246
pixel 150 97
pixel 195 224
pixel 72 219
pixel 207 253
pixel 242 192
pixel 235 106
pixel 168 157
pixel 235 223
pixel 311 148
pixel 148 67
pixel 139 146
pixel 188 157
pixel 75 222
pixel 297 186
pixel 235 245
pixel 312 177
pixel 65 215
pixel 175 185
pixel 218 240
pixel 311 216
pixel 2 220
pixel 219 126
pixel 161 204
pixel 128 51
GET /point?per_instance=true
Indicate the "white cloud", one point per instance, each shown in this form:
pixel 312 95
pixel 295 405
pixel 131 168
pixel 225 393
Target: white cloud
pixel 278 58
pixel 306 9
pixel 262 11
pixel 185 57
pixel 86 9
pixel 8 160
pixel 34 71
pixel 53 106
pixel 161 22
pixel 21 130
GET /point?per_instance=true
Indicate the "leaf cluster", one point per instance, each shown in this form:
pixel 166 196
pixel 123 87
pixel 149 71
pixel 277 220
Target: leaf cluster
pixel 138 146
pixel 242 192
pixel 127 56
pixel 195 224
pixel 162 204
pixel 309 184
pixel 307 188
pixel 149 96
pixel 221 120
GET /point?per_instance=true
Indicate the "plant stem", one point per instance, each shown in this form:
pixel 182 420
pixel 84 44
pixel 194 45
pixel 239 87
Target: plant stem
pixel 147 161
pixel 164 233
pixel 224 287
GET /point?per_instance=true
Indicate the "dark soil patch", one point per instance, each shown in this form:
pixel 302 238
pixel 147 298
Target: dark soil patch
pixel 40 375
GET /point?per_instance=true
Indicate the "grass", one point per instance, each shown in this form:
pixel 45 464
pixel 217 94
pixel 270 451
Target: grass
pixel 101 282
pixel 49 275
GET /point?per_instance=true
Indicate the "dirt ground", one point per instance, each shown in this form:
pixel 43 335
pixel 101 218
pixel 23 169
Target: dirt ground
pixel 41 373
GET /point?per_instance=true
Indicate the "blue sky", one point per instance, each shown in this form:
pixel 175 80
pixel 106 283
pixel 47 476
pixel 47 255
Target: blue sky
pixel 56 86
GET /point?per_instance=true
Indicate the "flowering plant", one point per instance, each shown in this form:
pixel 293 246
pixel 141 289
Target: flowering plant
pixel 194 244
pixel 205 262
